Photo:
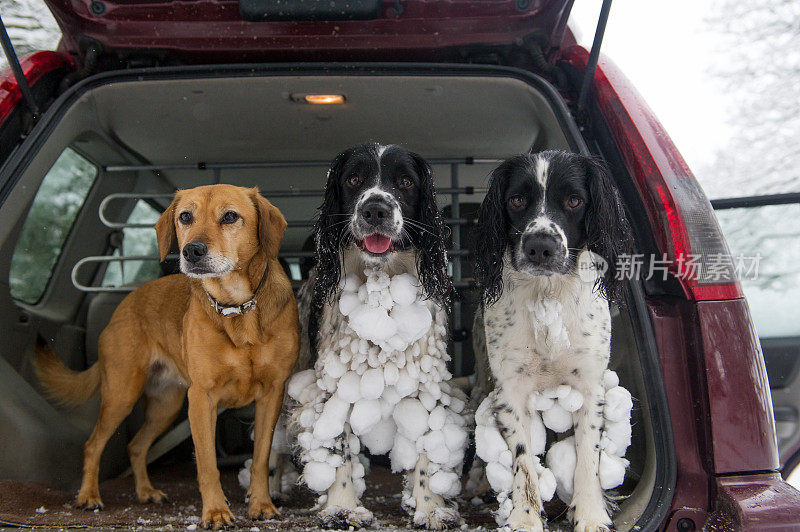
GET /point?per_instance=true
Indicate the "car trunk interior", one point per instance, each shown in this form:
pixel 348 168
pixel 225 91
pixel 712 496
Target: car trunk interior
pixel 140 137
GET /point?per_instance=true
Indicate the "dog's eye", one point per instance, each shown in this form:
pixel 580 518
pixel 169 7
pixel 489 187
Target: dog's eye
pixel 518 201
pixel 405 182
pixel 354 180
pixel 185 218
pixel 573 202
pixel 229 217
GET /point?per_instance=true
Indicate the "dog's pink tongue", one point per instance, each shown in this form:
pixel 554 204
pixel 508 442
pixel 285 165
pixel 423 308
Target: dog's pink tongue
pixel 377 243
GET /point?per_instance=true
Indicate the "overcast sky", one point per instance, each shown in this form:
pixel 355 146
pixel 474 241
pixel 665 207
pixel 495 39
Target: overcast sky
pixel 667 49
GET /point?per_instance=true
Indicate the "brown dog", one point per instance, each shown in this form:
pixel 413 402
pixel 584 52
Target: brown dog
pixel 227 330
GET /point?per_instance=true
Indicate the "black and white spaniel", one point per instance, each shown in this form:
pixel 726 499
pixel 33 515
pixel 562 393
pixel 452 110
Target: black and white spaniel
pixel 377 324
pixel 545 325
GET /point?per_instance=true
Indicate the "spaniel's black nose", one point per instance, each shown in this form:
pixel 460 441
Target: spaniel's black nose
pixel 375 212
pixel 194 251
pixel 540 248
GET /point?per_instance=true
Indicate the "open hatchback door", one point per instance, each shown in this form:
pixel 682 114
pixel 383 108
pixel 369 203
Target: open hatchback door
pixel 210 31
pixel 144 97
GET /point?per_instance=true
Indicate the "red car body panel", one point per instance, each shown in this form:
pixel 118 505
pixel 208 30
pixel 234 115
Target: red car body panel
pixel 755 503
pixel 34 66
pixel 740 404
pixel 674 345
pixel 205 31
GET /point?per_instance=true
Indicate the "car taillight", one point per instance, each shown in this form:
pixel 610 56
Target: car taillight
pixel 34 66
pixel 682 218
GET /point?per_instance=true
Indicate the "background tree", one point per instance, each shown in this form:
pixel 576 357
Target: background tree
pixel 30 26
pixel 758 65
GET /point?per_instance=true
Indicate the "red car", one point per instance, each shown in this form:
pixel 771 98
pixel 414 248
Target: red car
pixel 143 97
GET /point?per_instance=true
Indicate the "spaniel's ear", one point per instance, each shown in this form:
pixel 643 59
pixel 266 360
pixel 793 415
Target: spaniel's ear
pixel 165 228
pixel 608 232
pixel 493 235
pixel 328 233
pixel 431 238
pixel 271 224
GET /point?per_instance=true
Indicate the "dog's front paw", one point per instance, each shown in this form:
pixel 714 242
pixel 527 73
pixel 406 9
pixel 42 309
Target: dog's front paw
pixel 89 500
pixel 216 518
pixel 340 517
pixel 145 495
pixel 591 526
pixel 591 520
pixel 438 519
pixel 528 523
pixel 261 509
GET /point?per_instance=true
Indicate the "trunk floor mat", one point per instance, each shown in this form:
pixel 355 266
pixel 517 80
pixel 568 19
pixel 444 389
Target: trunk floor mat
pixel 32 504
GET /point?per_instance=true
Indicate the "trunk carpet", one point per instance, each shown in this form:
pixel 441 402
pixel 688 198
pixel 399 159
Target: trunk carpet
pixel 37 505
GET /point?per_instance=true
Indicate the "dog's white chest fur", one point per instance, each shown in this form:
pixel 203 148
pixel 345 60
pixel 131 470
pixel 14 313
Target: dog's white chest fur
pixel 548 331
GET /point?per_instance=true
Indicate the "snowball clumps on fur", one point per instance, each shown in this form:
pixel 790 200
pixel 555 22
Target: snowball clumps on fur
pixel 553 409
pixel 381 384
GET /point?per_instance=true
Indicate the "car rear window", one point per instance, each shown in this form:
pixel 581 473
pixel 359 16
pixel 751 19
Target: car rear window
pixel 50 218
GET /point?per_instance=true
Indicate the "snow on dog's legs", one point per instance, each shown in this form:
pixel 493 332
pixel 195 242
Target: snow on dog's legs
pixel 590 512
pixel 342 508
pixel 525 496
pixel 431 511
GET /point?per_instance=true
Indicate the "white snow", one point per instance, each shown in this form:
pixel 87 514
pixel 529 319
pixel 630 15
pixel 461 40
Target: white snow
pixel 383 383
pixel 557 419
pixel 403 454
pixel 561 460
pixel 244 474
pixel 556 407
pixel 610 379
pixel 349 387
pixel 546 322
pixel 538 434
pixel 299 382
pixel 547 484
pixel 437 418
pixel 331 422
pixel 365 415
pixel 612 470
pixel 442 482
pixel 572 401
pixel 454 436
pixel 499 477
pixel 411 418
pixel 380 438
pixel 403 289
pixel 489 443
pixel 618 404
pixel 318 475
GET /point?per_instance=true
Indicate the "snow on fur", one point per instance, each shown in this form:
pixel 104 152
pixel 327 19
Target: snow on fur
pixel 553 409
pixel 381 384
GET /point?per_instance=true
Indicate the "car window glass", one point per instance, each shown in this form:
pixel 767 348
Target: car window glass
pixel 767 239
pixel 136 242
pixel 50 218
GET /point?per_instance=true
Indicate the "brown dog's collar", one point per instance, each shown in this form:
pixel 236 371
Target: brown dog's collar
pixel 231 310
pixel 237 310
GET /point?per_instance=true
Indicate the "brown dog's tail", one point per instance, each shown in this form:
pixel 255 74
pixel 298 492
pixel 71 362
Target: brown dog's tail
pixel 66 386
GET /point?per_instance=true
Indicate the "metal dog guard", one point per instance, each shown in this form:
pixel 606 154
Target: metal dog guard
pixel 455 254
